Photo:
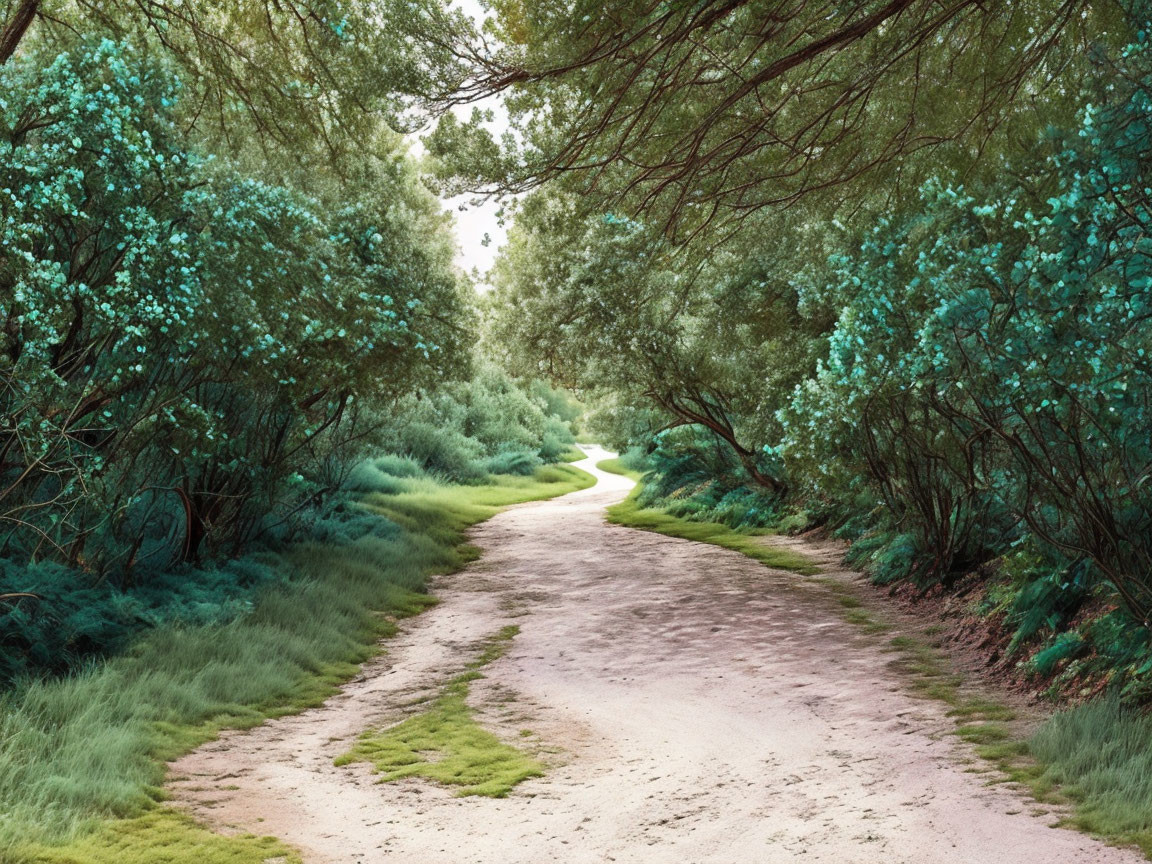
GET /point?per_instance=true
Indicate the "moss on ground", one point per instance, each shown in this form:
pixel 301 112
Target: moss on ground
pixel 446 744
pixel 162 836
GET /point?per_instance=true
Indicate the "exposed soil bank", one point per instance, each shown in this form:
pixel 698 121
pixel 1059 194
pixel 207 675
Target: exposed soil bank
pixel 695 707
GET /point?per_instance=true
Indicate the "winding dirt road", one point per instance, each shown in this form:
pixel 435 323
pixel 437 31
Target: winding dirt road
pixel 694 705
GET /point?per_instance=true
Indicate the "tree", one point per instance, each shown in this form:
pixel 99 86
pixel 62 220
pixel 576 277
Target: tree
pixel 599 304
pixel 182 342
pixel 990 362
pixel 279 72
pixel 690 113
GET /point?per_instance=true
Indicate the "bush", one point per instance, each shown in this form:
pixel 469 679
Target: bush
pixel 513 462
pixel 398 466
pixel 74 618
pixel 367 476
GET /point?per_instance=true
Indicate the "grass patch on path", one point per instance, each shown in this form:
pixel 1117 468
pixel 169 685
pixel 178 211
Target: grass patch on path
pixel 629 512
pixel 446 744
pixel 80 751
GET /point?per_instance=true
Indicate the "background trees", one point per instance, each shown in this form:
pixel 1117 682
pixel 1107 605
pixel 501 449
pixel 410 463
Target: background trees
pixel 950 370
pixel 597 302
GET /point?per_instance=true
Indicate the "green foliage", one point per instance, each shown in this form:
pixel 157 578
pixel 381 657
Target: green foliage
pixel 186 347
pixel 692 475
pixel 1063 648
pixel 73 617
pixel 285 79
pixel 886 556
pixel 635 459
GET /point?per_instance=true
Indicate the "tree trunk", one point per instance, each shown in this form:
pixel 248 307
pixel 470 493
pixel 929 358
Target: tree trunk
pixel 714 419
pixel 16 27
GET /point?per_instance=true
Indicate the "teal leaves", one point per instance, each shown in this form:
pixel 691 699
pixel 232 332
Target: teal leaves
pixel 175 322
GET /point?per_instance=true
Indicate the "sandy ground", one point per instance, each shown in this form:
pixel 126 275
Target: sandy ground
pixel 694 706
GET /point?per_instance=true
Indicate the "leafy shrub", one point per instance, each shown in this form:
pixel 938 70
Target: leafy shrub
pixel 635 458
pixel 74 618
pixel 398 466
pixel 513 462
pixel 1064 647
pixel 557 438
pixel 887 557
pixel 346 522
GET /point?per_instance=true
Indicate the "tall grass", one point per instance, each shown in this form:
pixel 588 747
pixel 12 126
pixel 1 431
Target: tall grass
pixel 82 749
pixel 1099 755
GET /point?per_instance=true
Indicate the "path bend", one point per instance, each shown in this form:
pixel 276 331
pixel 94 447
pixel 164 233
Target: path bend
pixel 695 706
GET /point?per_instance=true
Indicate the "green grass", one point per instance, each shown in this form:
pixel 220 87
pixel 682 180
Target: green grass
pixel 629 512
pixel 163 836
pixel 1097 757
pixel 616 466
pixel 446 744
pixel 79 751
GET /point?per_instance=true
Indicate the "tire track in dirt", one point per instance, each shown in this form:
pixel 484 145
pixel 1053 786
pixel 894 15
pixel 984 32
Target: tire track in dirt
pixel 694 705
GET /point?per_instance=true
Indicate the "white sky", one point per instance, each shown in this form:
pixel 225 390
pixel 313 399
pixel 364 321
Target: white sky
pixel 473 222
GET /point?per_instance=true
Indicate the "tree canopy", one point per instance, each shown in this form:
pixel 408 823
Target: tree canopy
pixel 688 114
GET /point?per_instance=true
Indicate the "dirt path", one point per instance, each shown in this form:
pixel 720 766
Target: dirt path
pixel 698 708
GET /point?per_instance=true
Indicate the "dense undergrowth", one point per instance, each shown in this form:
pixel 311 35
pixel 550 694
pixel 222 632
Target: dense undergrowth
pixel 80 749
